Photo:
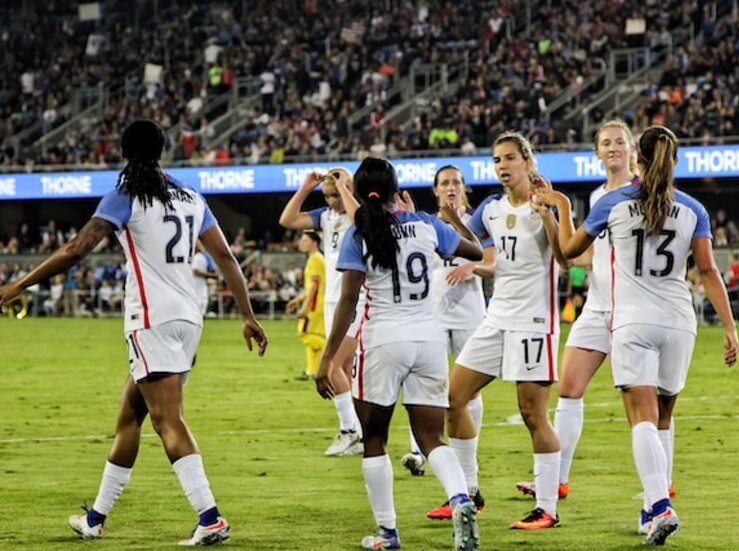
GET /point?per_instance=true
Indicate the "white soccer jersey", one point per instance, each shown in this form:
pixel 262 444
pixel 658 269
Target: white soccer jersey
pixel 648 272
pixel 202 262
pixel 525 296
pixel 333 227
pixel 599 288
pixel 399 304
pixel 461 306
pixel 159 245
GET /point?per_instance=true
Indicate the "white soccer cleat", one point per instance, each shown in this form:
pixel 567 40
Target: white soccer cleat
pixel 78 523
pixel 414 463
pixel 663 525
pixel 208 535
pixel 464 520
pixel 355 449
pixel 342 442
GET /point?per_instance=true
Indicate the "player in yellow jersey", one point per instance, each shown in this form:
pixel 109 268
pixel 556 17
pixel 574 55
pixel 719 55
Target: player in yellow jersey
pixel 309 303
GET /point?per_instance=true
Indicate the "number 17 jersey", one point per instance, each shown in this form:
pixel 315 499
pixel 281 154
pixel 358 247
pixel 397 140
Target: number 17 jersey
pixel 525 291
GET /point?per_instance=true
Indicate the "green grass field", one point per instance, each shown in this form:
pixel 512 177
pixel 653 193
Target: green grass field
pixel 262 434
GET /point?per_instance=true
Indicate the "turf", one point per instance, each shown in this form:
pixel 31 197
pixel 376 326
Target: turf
pixel 263 433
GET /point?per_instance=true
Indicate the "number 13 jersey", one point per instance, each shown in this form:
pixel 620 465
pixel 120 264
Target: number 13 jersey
pixel 648 272
pixel 159 244
pixel 525 291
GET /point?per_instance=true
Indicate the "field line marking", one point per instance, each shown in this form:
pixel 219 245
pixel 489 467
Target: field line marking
pixel 512 420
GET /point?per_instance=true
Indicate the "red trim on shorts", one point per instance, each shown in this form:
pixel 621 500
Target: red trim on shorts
pixel 550 357
pixel 360 369
pixel 139 278
pixel 141 352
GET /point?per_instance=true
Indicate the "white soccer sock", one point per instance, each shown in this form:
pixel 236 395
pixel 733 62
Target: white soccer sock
pixel 345 411
pixel 378 480
pixel 475 407
pixel 568 421
pixel 546 477
pixel 194 483
pixel 446 467
pixel 114 480
pixel 650 460
pixel 415 448
pixel 466 451
pixel 667 437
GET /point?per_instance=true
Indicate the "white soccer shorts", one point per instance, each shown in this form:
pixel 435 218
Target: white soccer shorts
pixel 420 368
pixel 650 355
pixel 591 331
pixel 456 339
pixel 511 355
pixel 166 348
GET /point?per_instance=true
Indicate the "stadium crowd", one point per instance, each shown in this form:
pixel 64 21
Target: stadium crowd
pixel 316 67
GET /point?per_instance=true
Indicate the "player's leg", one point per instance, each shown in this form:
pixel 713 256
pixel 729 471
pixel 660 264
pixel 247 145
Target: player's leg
pixel 533 401
pixel 378 474
pixel 348 439
pixel 117 472
pixel 578 368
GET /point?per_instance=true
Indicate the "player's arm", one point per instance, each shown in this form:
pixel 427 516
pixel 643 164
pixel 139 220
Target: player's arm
pixel 215 243
pixel 62 259
pixel 351 205
pixel 351 283
pixel 571 243
pixel 291 216
pixel 716 293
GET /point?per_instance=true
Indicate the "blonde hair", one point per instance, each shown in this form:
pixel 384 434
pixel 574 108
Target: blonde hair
pixel 657 156
pixel 524 146
pixel 329 180
pixel 618 123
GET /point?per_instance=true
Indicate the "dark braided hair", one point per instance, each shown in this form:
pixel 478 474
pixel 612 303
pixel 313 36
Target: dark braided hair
pixel 376 184
pixel 142 178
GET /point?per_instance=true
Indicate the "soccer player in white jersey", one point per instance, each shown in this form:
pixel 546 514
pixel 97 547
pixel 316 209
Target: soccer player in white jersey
pixel 401 344
pixel 653 228
pixel 588 341
pixel 203 269
pixel 333 222
pixel 517 340
pixel 157 221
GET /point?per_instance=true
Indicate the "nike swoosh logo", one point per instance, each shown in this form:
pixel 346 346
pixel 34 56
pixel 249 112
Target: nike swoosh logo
pixel 531 368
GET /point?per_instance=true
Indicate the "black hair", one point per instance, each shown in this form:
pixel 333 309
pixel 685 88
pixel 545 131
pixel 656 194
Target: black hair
pixel 376 184
pixel 313 234
pixel 657 155
pixel 142 177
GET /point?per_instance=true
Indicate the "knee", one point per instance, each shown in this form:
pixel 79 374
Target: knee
pixel 532 418
pixel 457 403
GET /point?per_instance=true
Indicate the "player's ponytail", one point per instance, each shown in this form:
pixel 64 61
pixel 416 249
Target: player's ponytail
pixel 142 178
pixel 376 184
pixel 657 156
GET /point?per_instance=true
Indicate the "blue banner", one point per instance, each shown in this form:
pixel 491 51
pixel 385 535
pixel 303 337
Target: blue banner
pixel 560 168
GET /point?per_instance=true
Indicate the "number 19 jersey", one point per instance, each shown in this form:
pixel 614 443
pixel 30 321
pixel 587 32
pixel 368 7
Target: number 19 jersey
pixel 399 304
pixel 525 291
pixel 159 244
pixel 648 272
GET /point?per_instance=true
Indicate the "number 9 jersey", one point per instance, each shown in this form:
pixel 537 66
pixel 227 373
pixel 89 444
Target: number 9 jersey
pixel 399 304
pixel 648 272
pixel 159 244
